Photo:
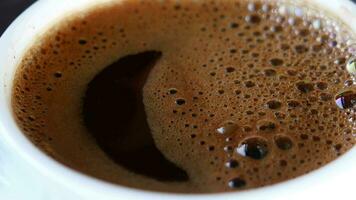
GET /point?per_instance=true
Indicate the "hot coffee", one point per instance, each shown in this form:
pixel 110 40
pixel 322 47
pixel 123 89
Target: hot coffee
pixel 189 96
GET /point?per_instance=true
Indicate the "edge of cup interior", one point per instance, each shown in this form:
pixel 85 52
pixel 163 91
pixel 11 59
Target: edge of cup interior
pixel 43 14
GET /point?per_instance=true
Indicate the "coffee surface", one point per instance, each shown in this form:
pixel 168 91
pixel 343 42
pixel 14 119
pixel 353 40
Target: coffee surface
pixel 189 96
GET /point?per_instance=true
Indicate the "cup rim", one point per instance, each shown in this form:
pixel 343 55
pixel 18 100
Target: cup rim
pixel 64 175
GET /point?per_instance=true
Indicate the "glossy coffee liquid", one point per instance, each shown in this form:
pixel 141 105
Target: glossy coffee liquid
pixel 190 96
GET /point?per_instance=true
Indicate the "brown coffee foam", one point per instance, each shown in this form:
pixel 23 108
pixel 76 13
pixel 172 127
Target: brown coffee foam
pixel 223 67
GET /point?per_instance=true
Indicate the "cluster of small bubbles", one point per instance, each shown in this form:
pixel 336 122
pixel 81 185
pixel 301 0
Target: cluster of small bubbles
pixel 266 126
pixel 293 103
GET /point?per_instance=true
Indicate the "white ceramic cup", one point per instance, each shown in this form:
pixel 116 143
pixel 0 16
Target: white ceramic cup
pixel 26 173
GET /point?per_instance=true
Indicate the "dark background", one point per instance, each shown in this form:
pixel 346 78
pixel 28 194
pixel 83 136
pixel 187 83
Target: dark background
pixel 9 9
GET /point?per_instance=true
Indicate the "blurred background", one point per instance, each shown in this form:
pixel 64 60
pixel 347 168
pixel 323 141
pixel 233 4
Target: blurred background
pixel 9 9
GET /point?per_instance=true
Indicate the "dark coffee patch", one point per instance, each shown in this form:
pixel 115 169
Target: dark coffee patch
pixel 305 87
pixel 114 115
pixel 276 62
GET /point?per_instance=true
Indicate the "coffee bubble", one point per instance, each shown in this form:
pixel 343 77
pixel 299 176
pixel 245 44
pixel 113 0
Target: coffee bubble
pixel 253 19
pixel 237 183
pixel 255 148
pixel 273 104
pixel 283 142
pixel 232 164
pixel 276 62
pixel 172 91
pixel 58 74
pixel 346 99
pixel 304 86
pixel 351 66
pixel 228 127
pixel 180 102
